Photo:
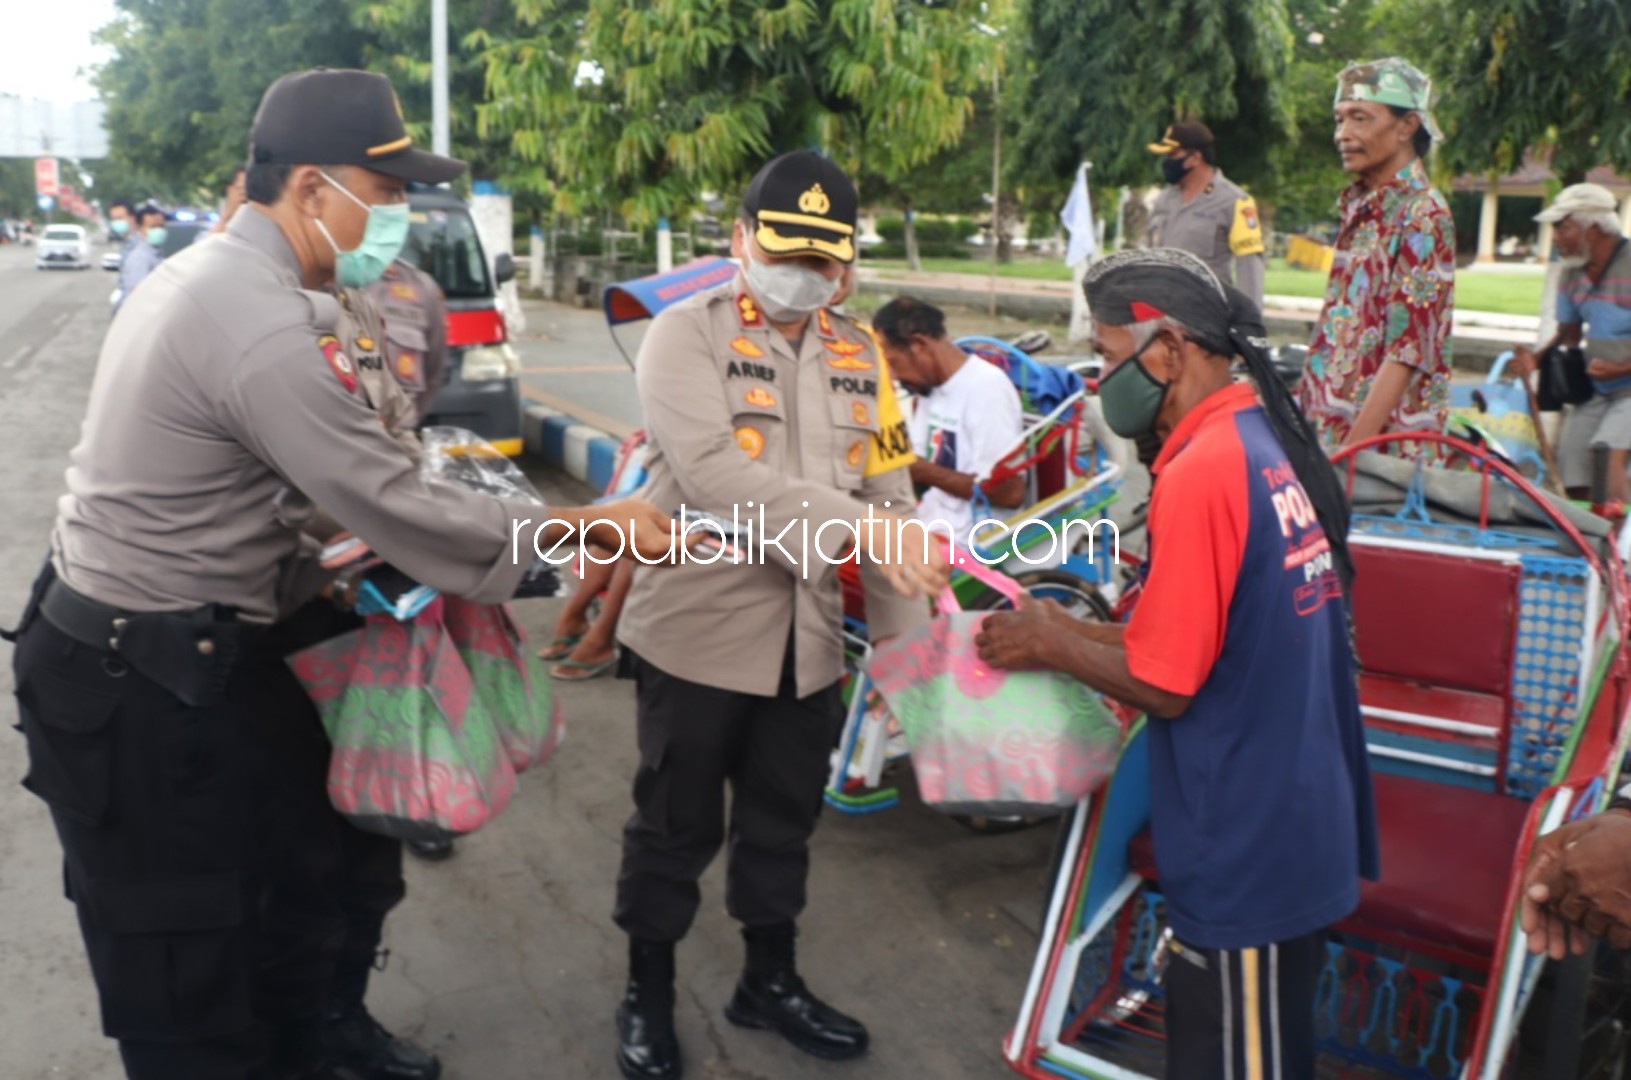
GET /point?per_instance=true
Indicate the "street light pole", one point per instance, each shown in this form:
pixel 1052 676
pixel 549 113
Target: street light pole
pixel 440 142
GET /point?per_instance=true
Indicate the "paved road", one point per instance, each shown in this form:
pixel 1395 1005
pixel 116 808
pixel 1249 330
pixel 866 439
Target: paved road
pixel 504 960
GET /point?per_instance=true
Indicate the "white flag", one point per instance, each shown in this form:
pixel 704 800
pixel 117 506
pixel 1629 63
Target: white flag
pixel 1078 220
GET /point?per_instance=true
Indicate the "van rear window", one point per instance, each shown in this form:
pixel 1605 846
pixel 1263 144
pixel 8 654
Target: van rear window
pixel 443 243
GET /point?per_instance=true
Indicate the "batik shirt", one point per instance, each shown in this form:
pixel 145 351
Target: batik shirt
pixel 1390 297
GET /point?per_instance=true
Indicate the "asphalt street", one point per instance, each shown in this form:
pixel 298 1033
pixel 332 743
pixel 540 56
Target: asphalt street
pixel 504 960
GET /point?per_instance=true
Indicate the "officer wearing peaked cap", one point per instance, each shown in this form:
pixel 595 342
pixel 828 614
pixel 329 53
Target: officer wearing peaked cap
pixel 1205 213
pixel 224 406
pixel 757 396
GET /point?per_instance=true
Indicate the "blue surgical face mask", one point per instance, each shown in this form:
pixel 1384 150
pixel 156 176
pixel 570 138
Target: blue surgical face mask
pixel 157 235
pixel 382 241
pixel 119 226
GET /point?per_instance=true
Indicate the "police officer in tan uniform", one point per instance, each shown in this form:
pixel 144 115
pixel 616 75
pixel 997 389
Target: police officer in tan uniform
pixel 758 400
pixel 1204 213
pixel 224 405
pixel 415 341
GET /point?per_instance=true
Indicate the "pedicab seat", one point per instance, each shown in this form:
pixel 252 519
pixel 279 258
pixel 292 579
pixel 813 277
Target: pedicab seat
pixel 1446 861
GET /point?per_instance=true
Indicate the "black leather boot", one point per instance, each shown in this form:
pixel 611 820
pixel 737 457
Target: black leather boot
pixel 646 1046
pixel 771 996
pixel 353 1039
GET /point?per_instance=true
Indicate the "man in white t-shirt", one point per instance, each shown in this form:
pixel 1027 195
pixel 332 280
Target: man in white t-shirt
pixel 966 414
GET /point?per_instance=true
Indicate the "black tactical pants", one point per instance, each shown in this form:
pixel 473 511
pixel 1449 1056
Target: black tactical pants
pixel 154 802
pixel 773 752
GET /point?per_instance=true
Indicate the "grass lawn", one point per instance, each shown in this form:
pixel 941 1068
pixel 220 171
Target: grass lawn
pixel 1502 293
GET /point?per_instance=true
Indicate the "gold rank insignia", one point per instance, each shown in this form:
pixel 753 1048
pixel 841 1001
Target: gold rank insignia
pixel 824 324
pixel 848 348
pixel 365 343
pixel 748 311
pixel 403 292
pixel 747 348
pixel 751 442
pixel 815 201
pixel 849 363
pixel 760 398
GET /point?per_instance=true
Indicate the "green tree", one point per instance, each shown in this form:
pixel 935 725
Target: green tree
pixel 642 108
pixel 1516 75
pixel 399 32
pixel 1106 77
pixel 187 75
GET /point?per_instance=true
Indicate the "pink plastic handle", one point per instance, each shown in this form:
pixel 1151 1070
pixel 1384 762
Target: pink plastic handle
pixel 985 575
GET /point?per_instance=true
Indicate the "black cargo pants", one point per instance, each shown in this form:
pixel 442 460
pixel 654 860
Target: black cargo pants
pixel 154 803
pixel 773 752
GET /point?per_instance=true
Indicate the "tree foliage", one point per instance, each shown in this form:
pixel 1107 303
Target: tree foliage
pixel 641 108
pixel 1106 77
pixel 1512 75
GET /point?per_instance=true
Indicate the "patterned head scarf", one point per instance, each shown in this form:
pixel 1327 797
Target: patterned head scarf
pixel 1141 284
pixel 1390 82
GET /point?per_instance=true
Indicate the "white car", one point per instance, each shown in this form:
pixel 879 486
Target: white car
pixel 63 245
pixel 111 260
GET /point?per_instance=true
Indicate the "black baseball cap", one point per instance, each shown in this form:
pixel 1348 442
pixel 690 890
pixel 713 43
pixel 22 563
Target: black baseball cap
pixel 803 204
pixel 1184 135
pixel 332 116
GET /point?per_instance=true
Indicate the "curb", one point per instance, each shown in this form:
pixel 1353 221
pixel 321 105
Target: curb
pixel 583 452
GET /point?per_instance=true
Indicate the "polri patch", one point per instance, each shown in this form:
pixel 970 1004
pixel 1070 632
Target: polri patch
pixel 338 362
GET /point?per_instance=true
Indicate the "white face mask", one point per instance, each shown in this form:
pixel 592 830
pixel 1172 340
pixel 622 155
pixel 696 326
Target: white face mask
pixel 787 292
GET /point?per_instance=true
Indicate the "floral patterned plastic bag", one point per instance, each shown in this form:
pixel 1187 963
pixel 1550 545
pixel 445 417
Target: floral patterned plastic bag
pixel 417 754
pixel 510 680
pixel 987 742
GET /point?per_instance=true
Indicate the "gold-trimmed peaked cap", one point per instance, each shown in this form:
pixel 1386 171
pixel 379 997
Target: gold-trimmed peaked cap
pixel 803 204
pixel 332 116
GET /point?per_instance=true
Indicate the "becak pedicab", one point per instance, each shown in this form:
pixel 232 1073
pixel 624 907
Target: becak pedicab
pixel 1490 624
pixel 1059 546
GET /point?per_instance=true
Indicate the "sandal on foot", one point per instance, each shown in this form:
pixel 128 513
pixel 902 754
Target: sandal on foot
pixel 581 670
pixel 560 648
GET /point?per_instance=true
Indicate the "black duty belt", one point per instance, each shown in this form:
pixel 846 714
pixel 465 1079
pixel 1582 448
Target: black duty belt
pixel 192 654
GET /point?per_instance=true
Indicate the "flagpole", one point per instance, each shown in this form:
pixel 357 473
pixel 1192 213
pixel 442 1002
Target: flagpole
pixel 996 176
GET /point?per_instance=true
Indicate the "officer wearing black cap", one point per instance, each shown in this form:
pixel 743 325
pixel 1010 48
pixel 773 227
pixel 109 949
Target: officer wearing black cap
pixel 759 399
pixel 1204 213
pixel 224 407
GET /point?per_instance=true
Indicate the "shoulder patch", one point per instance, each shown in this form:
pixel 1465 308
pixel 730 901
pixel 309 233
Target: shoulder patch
pixel 338 361
pixel 1246 233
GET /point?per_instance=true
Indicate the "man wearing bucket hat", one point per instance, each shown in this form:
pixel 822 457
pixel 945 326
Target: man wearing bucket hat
pixel 1261 809
pixel 1205 213
pixel 1593 305
pixel 226 403
pixel 1380 357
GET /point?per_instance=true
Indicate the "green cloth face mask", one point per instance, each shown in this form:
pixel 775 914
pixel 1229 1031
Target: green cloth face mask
pixel 382 241
pixel 1132 398
pixel 157 235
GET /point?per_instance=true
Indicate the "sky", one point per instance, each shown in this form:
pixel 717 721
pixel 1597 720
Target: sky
pixel 48 44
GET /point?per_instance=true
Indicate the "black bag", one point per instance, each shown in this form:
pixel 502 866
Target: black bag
pixel 1563 379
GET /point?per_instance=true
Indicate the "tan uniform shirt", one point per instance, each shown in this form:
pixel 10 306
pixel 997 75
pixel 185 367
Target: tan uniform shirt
pixel 415 339
pixel 739 417
pixel 222 391
pixel 1220 226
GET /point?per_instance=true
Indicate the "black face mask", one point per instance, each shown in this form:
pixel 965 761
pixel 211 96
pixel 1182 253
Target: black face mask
pixel 1174 169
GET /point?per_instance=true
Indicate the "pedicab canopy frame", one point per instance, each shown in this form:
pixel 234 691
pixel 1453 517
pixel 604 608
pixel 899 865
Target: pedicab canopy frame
pixel 643 298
